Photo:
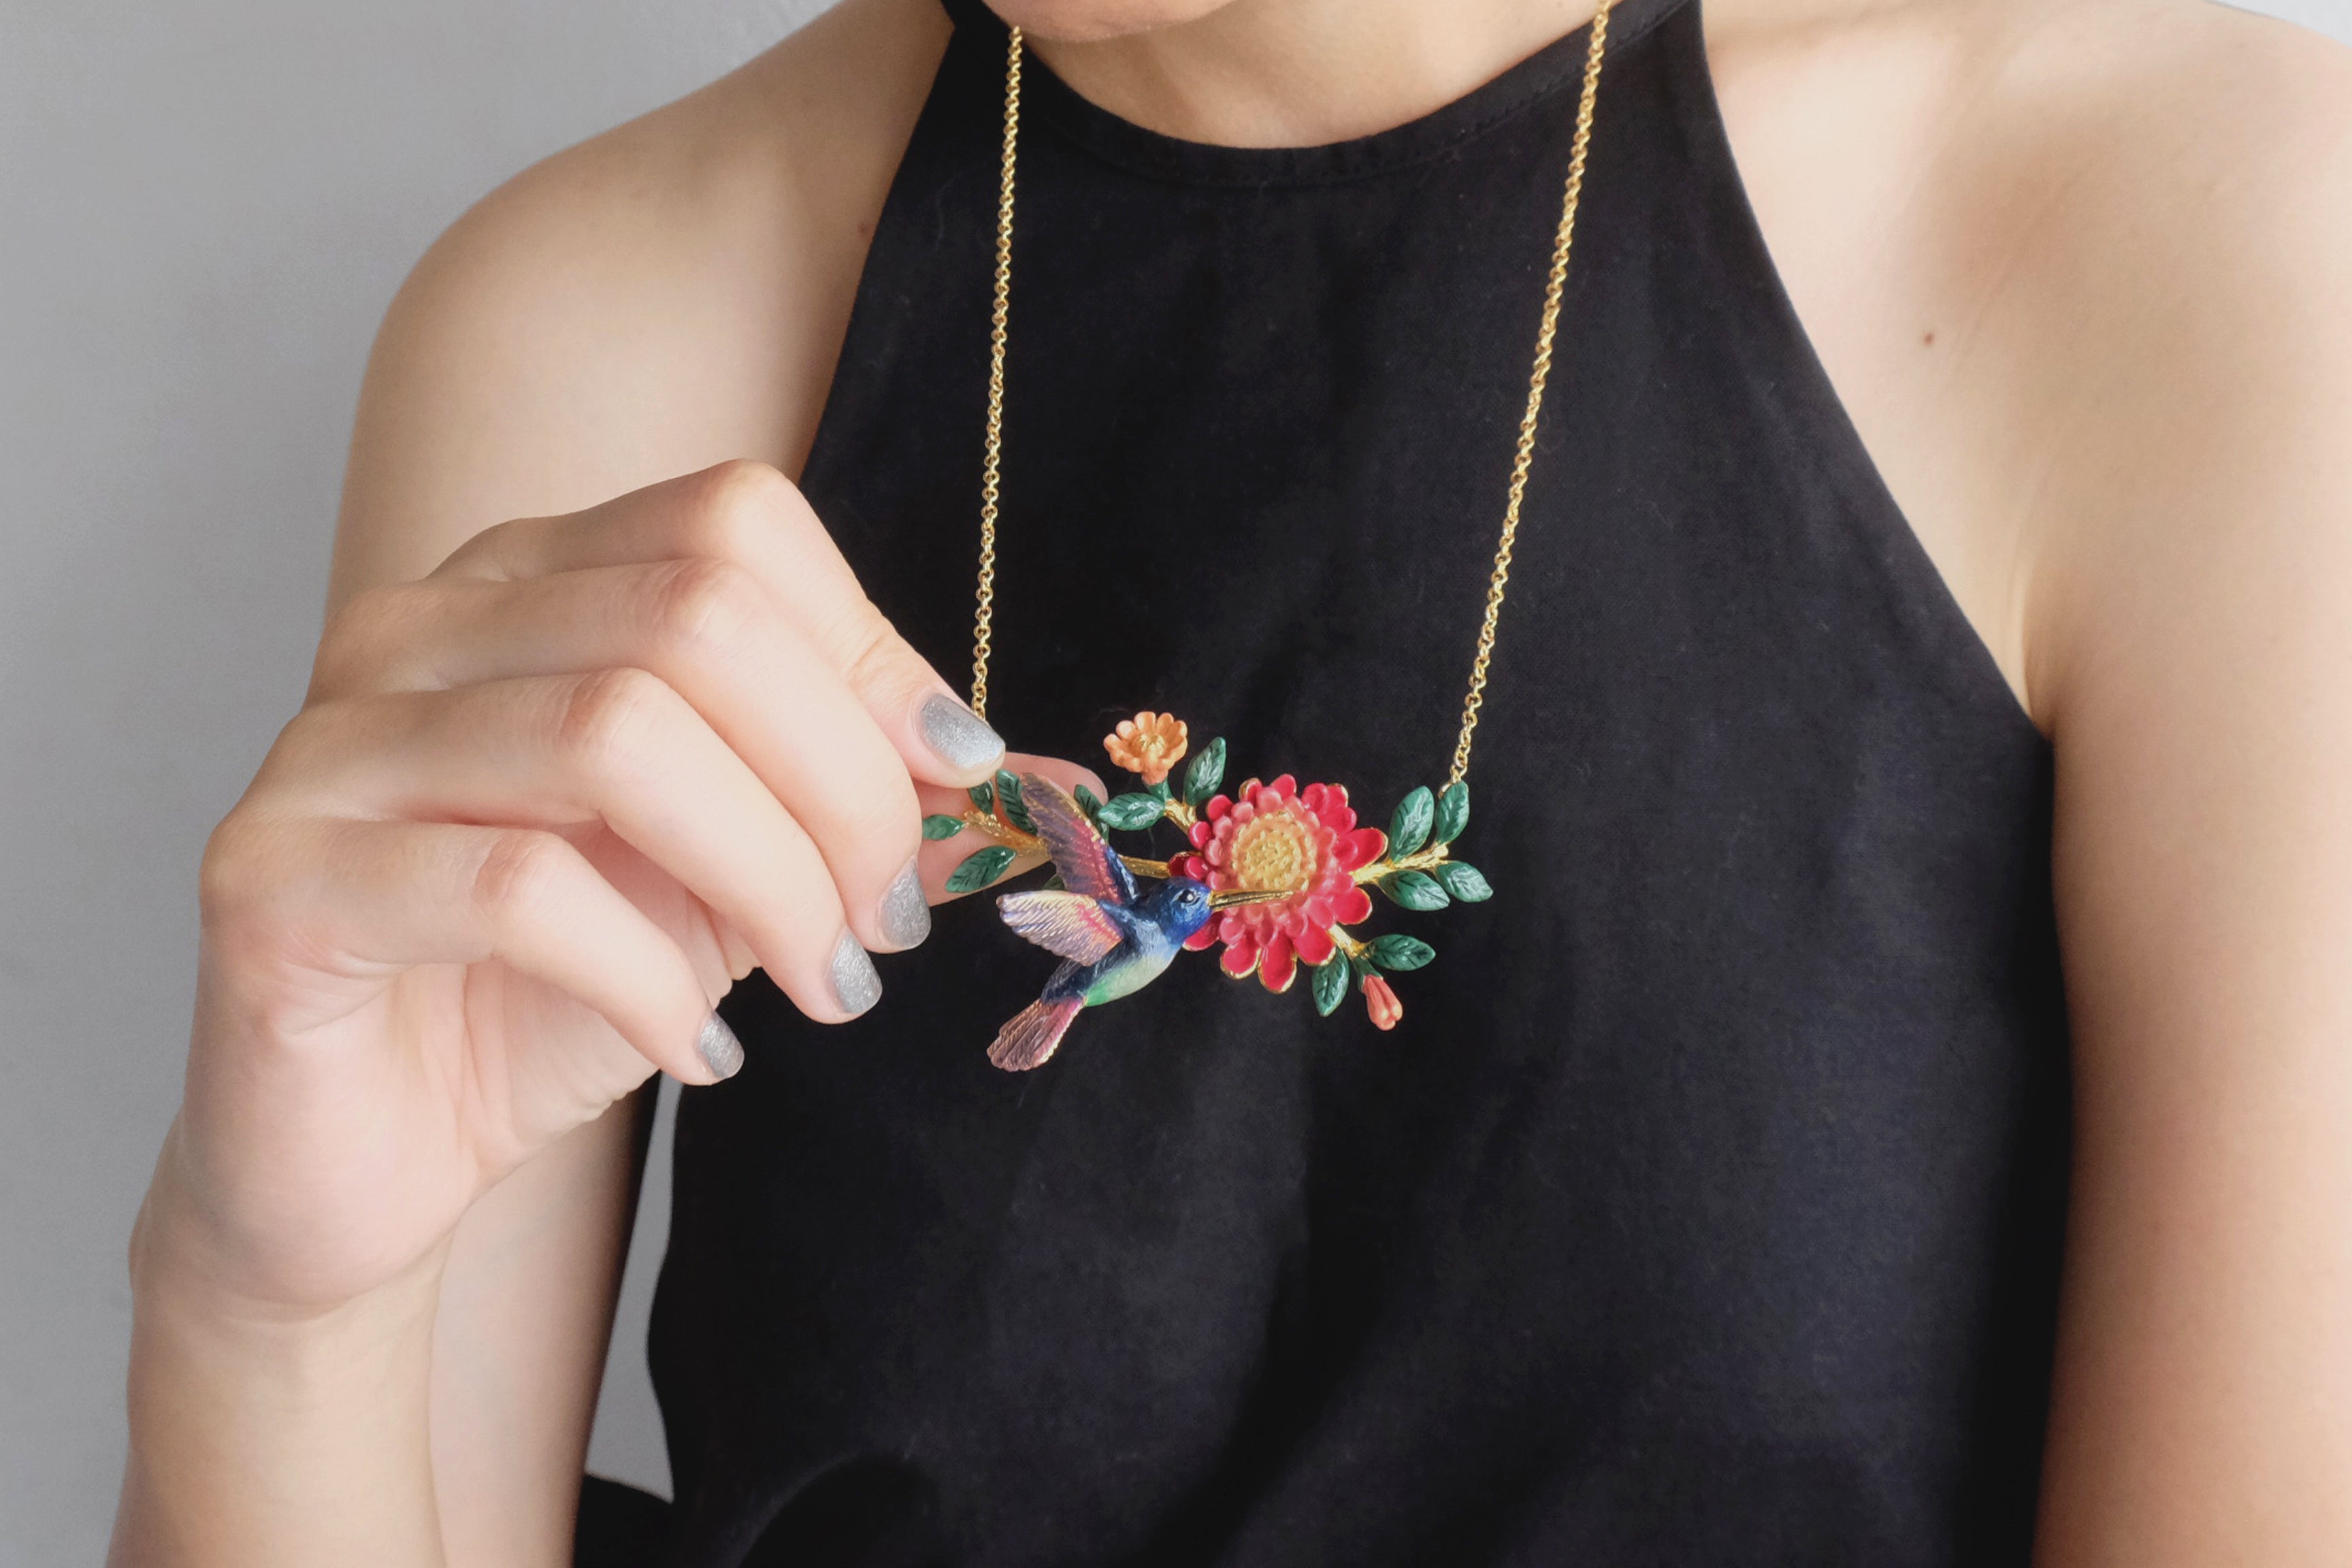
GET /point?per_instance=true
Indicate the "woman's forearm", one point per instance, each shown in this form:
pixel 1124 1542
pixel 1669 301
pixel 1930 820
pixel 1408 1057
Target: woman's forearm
pixel 262 1436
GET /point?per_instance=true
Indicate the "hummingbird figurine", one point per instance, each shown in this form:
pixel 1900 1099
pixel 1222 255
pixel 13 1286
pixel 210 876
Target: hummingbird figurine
pixel 1112 941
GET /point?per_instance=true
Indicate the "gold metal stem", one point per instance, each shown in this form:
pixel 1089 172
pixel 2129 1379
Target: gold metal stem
pixel 1013 839
pixel 1004 832
pixel 1419 860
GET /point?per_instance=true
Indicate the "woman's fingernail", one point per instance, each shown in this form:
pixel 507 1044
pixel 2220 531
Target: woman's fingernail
pixel 856 986
pixel 722 1053
pixel 960 738
pixel 906 918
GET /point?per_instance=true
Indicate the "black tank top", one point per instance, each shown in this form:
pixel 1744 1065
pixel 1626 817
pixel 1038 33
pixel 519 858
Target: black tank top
pixel 1706 1206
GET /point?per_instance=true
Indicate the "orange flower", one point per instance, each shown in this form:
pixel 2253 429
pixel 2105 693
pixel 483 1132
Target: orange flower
pixel 1148 745
pixel 1382 1003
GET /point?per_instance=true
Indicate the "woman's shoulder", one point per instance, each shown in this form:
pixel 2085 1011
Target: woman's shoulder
pixel 2075 268
pixel 731 222
pixel 2186 136
pixel 666 294
pixel 2177 309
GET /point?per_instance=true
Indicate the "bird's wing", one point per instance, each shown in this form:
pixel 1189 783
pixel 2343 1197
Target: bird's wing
pixel 1086 863
pixel 1073 925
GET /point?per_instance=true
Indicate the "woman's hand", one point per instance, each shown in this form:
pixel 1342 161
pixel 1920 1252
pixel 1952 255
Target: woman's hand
pixel 539 810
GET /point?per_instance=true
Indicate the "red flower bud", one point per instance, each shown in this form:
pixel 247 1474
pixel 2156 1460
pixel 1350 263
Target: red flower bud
pixel 1382 1003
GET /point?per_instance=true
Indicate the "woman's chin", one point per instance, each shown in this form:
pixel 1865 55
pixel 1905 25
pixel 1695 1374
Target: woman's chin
pixel 1090 21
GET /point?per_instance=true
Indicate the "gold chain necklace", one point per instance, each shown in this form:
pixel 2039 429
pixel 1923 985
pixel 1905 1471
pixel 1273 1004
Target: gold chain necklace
pixel 1275 873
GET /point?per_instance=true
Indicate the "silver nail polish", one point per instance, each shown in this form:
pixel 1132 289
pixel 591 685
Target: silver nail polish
pixel 722 1053
pixel 960 737
pixel 905 917
pixel 856 986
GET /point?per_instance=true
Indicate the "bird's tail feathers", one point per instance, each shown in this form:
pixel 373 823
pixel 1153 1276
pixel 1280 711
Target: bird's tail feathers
pixel 1032 1034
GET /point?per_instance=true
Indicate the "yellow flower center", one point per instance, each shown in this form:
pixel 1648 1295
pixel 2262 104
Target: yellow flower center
pixel 1273 853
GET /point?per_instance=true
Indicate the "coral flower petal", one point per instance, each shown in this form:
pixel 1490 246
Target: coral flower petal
pixel 1362 846
pixel 1202 939
pixel 1314 945
pixel 1278 966
pixel 1355 907
pixel 1239 959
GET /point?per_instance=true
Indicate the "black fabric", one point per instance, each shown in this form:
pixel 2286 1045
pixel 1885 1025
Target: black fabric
pixel 1706 1206
pixel 617 1526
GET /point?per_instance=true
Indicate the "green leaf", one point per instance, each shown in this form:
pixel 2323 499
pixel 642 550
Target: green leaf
pixel 1466 882
pixel 982 795
pixel 1207 771
pixel 1415 891
pixel 1452 812
pixel 1409 828
pixel 938 827
pixel 980 868
pixel 1008 795
pixel 1087 800
pixel 1157 791
pixel 1401 953
pixel 1330 984
pixel 1130 811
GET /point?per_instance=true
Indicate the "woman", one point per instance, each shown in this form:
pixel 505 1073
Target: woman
pixel 1708 1205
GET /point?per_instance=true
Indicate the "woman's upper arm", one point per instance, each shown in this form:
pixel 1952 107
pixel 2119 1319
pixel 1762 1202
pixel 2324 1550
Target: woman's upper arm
pixel 2198 671
pixel 667 297
pixel 519 1343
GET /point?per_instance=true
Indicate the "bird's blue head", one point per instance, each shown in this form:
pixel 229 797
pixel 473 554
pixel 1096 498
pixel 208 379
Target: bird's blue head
pixel 1179 905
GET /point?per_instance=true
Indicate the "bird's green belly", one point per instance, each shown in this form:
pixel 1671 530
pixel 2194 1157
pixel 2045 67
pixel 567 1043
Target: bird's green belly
pixel 1125 979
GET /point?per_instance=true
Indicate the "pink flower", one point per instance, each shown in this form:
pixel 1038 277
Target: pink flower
pixel 1382 1003
pixel 1276 838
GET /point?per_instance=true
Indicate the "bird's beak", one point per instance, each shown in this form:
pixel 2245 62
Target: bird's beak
pixel 1226 898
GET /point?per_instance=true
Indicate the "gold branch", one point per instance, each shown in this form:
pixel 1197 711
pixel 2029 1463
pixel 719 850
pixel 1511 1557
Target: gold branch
pixel 1021 843
pixel 1419 860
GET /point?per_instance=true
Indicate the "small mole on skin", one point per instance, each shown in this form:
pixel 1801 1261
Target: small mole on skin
pixel 1928 337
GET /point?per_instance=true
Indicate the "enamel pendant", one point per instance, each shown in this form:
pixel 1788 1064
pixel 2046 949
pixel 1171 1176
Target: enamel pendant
pixel 1275 873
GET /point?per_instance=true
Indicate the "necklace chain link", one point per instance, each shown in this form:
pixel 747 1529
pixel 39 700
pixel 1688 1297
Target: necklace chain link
pixel 1522 460
pixel 992 466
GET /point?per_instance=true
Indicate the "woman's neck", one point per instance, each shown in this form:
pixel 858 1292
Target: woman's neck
pixel 1297 73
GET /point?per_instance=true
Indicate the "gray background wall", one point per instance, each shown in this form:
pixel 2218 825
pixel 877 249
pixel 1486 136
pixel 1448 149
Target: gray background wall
pixel 203 212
